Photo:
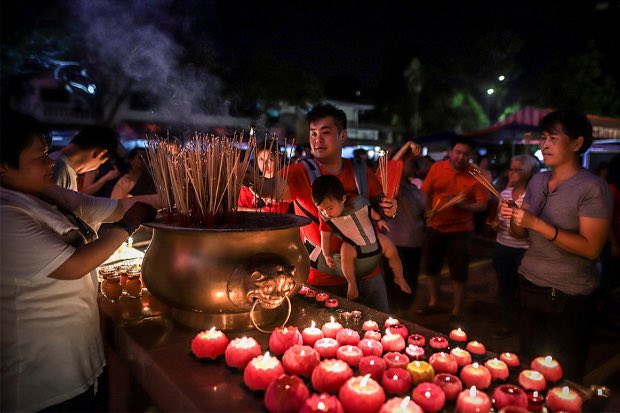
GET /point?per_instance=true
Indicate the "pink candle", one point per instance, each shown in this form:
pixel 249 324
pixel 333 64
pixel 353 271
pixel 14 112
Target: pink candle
pixel 332 303
pixel 497 368
pixel 396 360
pixel 532 380
pixel 511 359
pixel 372 365
pixel 473 401
pixel 509 395
pixel 476 348
pixel 443 363
pixel 330 375
pixel 548 367
pixel 429 397
pixel 396 381
pixel 392 342
pixel 458 335
pixel 563 399
pixel 321 297
pixel 300 360
pixel 370 325
pixel 461 356
pixel 398 405
pixel 284 337
pixel 240 351
pixel 323 403
pixel 261 371
pixel 390 322
pixel 417 340
pixel 370 347
pixel 209 344
pixel 420 371
pixel 311 335
pixel 398 329
pixel 450 384
pixel 331 328
pixel 286 393
pixel 361 395
pixel 346 336
pixel 476 375
pixel 373 335
pixel 350 355
pixel 438 343
pixel 415 352
pixel 327 347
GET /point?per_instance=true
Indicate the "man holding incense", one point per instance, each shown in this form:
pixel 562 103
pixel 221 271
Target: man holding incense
pixel 452 196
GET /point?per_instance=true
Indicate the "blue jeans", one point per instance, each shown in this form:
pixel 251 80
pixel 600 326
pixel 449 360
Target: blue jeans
pixel 372 292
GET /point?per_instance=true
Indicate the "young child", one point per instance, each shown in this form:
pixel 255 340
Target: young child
pixel 352 220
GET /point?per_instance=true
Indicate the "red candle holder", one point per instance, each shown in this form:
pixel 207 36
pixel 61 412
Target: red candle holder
pixel 261 371
pixel 417 340
pixel 240 351
pixel 509 395
pixel 209 344
pixel 459 336
pixel 450 384
pixel 321 297
pixel 535 400
pixel 400 405
pixel 476 349
pixel 443 363
pixel 511 360
pixel 286 393
pixel 373 335
pixel 391 321
pixel 350 355
pixel 532 380
pixel 303 290
pixel 429 397
pixel 300 360
pixel 396 381
pixel 548 367
pixel 473 401
pixel 398 329
pixel 497 368
pixel 563 399
pixel 331 329
pixel 370 325
pixel 461 356
pixel 311 335
pixel 414 352
pixel 322 403
pixel 283 338
pixel 327 347
pixel 346 336
pixel 330 375
pixel 476 375
pixel 392 342
pixel 311 294
pixel 361 395
pixel 396 360
pixel 332 303
pixel 370 347
pixel 438 343
pixel 372 365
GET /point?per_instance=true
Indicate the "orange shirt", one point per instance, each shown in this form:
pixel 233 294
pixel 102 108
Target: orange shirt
pixel 301 191
pixel 443 183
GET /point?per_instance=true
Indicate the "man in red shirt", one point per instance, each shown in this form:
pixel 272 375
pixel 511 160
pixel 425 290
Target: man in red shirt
pixel 450 230
pixel 327 136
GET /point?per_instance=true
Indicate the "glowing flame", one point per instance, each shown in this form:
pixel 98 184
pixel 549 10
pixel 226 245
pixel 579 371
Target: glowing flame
pixel 321 406
pixel 332 319
pixel 313 324
pixel 364 381
pixel 472 392
pixel 565 390
pixel 405 402
pixel 266 357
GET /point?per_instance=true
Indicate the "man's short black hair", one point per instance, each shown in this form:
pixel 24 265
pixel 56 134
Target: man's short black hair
pixel 327 187
pixel 323 111
pixel 573 123
pixel 98 137
pixel 18 132
pixel 459 139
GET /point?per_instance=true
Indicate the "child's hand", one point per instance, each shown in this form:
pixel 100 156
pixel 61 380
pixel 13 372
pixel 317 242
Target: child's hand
pixel 382 225
pixel 402 284
pixel 352 291
pixel 331 263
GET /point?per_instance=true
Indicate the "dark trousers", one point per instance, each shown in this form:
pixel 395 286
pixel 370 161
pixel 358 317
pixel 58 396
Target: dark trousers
pixel 410 258
pixel 506 261
pixel 559 326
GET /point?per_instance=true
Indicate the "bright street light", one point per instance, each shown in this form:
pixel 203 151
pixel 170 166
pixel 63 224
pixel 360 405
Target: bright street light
pixel 490 91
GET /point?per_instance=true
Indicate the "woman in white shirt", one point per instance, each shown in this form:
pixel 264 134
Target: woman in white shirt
pixel 51 348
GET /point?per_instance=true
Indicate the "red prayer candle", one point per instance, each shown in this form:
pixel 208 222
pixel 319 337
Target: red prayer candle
pixel 390 322
pixel 399 405
pixel 438 343
pixel 415 352
pixel 458 335
pixel 396 360
pixel 327 347
pixel 370 347
pixel 392 342
pixel 398 329
pixel 322 403
pixel 476 348
pixel 261 371
pixel 473 401
pixel 331 328
pixel 497 368
pixel 284 337
pixel 511 359
pixel 396 381
pixel 346 336
pixel 350 355
pixel 286 393
pixel 300 360
pixel 532 380
pixel 209 344
pixel 241 350
pixel 372 365
pixel 311 335
pixel 443 363
pixel 361 395
pixel 563 399
pixel 429 397
pixel 476 375
pixel 321 297
pixel 370 325
pixel 417 340
pixel 450 384
pixel 461 356
pixel 509 395
pixel 330 375
pixel 373 335
pixel 548 367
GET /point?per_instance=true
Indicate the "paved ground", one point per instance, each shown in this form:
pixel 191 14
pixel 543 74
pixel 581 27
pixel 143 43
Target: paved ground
pixel 481 309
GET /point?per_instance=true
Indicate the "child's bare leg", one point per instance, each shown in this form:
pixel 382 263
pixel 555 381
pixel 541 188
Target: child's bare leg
pixel 347 261
pixel 389 251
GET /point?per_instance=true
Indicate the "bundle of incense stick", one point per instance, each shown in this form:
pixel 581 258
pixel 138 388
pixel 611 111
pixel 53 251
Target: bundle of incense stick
pixel 454 200
pixel 383 170
pixel 477 173
pixel 200 177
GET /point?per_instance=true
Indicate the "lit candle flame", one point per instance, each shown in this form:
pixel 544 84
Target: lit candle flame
pixel 212 331
pixel 313 324
pixel 395 377
pixel 266 357
pixel 321 406
pixel 417 363
pixel 251 131
pixel 476 365
pixel 535 394
pixel 302 353
pixel 548 359
pixel 372 362
pixel 332 319
pixel 427 394
pixel 472 391
pixel 364 381
pixel 405 402
pixel 565 390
